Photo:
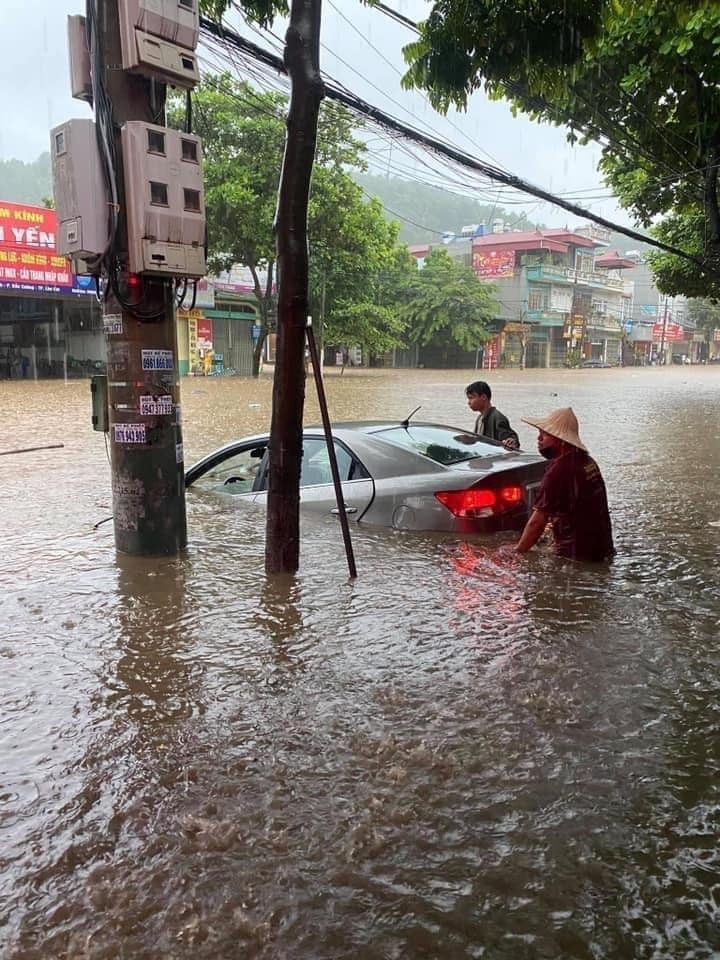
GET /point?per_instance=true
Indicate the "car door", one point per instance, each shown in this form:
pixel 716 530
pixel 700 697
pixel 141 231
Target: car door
pixel 317 493
pixel 236 470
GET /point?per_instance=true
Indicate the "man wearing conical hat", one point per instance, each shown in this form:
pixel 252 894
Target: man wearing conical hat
pixel 571 496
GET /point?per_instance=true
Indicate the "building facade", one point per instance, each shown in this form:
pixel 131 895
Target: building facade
pixel 560 303
pixel 51 321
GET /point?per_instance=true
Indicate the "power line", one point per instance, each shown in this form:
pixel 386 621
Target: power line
pixel 357 105
pixel 517 91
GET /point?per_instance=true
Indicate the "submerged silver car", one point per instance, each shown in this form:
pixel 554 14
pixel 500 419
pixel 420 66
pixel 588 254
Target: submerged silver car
pixel 409 476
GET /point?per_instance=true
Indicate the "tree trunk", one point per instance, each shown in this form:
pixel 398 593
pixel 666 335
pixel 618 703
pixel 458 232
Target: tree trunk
pixel 302 60
pixel 265 301
pixel 258 351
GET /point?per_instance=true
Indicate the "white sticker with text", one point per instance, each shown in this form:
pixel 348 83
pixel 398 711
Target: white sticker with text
pixel 157 359
pixel 129 432
pixel 179 454
pixel 156 406
pixel 112 324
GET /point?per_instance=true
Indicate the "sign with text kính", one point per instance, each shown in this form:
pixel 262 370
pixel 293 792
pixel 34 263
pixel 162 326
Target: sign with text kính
pixel 29 261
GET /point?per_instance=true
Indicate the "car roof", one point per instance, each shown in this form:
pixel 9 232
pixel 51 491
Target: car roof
pixel 377 426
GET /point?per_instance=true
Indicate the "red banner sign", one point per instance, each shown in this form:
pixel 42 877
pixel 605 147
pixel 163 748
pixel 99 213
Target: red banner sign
pixel 673 331
pixel 28 256
pixel 493 263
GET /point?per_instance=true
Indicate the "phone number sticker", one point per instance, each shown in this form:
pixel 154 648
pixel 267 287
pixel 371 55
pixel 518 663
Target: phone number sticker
pixel 129 433
pixel 157 359
pixel 156 406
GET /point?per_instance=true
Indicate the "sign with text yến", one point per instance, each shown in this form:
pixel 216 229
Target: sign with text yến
pixel 28 256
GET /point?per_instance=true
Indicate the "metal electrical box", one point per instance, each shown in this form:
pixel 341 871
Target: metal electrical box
pixel 80 80
pixel 158 39
pixel 99 396
pixel 81 198
pixel 164 200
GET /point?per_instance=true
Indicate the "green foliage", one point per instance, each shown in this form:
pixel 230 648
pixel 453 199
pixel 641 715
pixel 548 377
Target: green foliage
pixel 706 315
pixel 262 12
pixel 673 275
pixel 26 182
pixel 445 301
pixel 368 313
pixel 351 243
pixel 641 78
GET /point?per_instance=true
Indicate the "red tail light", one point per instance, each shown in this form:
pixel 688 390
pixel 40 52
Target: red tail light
pixel 468 503
pixel 479 502
pixel 512 496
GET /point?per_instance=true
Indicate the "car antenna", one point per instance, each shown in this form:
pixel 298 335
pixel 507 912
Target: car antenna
pixel 406 422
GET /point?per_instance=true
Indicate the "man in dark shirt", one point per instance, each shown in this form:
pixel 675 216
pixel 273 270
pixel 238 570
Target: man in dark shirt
pixel 490 422
pixel 572 494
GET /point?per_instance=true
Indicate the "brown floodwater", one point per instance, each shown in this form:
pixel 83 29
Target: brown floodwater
pixel 461 754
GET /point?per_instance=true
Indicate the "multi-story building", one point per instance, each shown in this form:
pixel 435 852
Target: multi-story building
pixel 51 322
pixel 561 299
pixel 661 329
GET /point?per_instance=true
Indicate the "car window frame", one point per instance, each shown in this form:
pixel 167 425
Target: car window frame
pixel 225 453
pixel 486 441
pixel 264 472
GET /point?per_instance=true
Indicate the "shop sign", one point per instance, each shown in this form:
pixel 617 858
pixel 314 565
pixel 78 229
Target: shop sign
pixel 28 255
pixel 493 263
pixel 672 332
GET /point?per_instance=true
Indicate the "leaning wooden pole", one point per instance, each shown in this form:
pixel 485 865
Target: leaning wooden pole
pixel 302 61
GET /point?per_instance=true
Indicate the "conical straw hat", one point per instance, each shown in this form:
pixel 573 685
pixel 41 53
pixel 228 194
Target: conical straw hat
pixel 561 423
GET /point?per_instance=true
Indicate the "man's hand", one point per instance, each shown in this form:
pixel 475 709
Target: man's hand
pixel 511 444
pixel 534 529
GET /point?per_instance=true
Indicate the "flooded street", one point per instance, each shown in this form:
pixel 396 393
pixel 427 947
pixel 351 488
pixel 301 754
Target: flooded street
pixel 462 754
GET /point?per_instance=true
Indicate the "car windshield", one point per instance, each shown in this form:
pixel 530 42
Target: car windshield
pixel 443 444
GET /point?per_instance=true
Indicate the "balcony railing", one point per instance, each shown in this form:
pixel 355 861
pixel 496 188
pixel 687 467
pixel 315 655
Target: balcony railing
pixel 553 272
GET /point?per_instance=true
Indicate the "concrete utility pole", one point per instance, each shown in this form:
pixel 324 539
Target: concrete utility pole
pixel 146 448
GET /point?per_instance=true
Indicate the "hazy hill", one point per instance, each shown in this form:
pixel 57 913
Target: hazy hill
pixel 26 182
pixel 425 212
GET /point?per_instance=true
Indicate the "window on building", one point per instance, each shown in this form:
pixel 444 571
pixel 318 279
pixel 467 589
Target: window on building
pixel 537 300
pixel 583 261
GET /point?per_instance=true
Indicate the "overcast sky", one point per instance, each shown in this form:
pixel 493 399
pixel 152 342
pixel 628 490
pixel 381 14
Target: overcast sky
pixel 362 49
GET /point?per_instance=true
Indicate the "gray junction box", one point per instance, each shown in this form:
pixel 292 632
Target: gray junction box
pixel 164 200
pixel 81 198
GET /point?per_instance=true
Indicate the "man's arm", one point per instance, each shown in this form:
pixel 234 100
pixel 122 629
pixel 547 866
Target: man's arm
pixel 533 531
pixel 505 433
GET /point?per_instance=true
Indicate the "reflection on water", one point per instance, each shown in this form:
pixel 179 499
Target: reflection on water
pixel 463 753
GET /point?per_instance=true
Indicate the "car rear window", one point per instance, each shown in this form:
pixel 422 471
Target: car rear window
pixel 443 444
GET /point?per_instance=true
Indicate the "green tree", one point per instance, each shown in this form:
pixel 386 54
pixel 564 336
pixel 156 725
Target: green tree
pixel 354 257
pixel 641 78
pixel 243 132
pixel 445 301
pixel 369 312
pixel 706 315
